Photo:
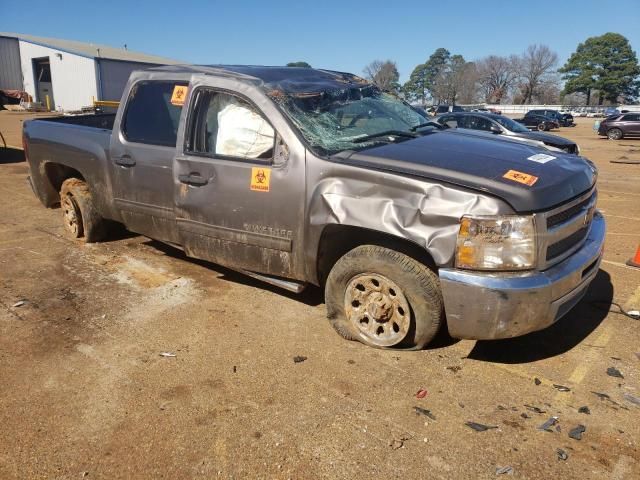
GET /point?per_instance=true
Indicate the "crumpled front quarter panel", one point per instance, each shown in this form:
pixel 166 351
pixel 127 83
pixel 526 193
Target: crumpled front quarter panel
pixel 424 212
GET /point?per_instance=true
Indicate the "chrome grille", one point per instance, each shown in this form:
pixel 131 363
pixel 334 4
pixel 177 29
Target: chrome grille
pixel 563 230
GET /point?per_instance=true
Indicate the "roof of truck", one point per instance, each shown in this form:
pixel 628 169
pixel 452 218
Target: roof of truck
pixel 291 80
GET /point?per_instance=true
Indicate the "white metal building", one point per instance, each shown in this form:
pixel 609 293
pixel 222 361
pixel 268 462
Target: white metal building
pixel 69 74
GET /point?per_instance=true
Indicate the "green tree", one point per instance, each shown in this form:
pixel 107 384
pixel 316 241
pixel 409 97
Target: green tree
pixel 298 64
pixel 607 64
pixel 422 79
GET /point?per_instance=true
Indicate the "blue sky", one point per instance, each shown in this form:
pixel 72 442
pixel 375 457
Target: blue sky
pixel 341 35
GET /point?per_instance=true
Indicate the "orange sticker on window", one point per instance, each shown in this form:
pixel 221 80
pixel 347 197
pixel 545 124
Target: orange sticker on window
pixel 260 178
pixel 179 95
pixel 520 177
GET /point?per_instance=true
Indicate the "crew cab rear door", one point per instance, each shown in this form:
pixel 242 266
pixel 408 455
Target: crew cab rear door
pixel 143 146
pixel 239 181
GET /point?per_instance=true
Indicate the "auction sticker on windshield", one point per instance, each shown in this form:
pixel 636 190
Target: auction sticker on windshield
pixel 541 158
pixel 520 177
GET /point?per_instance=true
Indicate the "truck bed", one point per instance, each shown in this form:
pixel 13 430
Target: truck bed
pixel 103 120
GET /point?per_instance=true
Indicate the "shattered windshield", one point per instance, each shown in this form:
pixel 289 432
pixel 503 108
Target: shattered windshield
pixel 350 118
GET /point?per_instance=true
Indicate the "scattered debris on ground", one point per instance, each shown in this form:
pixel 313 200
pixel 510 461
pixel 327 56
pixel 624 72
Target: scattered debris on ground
pixel 546 426
pixel 299 359
pixel 614 372
pixel 508 470
pixel 562 455
pixel 535 409
pixel 584 410
pixel 479 427
pixel 421 393
pixel 537 381
pixel 425 412
pixel 167 354
pixel 561 388
pixel 19 303
pixel 576 433
pixel 632 399
pixel 454 368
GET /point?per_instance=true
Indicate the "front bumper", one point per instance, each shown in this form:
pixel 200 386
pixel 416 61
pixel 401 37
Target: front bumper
pixel 484 306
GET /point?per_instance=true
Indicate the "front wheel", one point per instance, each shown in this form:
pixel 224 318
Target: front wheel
pixel 614 134
pixel 542 127
pixel 384 299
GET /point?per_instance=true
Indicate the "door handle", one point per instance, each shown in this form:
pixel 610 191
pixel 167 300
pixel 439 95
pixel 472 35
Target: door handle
pixel 193 179
pixel 125 161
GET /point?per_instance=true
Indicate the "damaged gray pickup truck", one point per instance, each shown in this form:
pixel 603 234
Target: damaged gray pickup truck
pixel 301 176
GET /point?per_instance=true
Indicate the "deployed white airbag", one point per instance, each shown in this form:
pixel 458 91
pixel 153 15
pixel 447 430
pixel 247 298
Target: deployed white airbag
pixel 242 132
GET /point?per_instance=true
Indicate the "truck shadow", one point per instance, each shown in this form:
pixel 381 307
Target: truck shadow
pixel 10 155
pixel 557 339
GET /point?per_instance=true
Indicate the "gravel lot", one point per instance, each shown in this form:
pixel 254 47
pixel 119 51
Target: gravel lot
pixel 87 393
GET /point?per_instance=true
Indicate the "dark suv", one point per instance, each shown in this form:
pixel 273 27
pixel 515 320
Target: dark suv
pixel 619 126
pixel 564 119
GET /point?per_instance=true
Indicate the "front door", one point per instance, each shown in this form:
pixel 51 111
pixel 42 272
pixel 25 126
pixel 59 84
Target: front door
pixel 143 147
pixel 239 192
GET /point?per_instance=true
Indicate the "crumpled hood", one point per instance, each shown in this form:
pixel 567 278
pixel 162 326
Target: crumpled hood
pixel 480 162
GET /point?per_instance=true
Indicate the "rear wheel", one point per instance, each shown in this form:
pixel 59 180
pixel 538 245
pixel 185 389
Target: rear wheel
pixel 384 299
pixel 614 134
pixel 80 217
pixel 542 127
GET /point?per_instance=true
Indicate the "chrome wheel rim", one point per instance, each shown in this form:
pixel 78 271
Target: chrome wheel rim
pixel 378 309
pixel 614 134
pixel 70 215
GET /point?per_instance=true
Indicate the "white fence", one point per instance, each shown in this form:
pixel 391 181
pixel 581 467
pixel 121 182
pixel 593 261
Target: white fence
pixel 525 108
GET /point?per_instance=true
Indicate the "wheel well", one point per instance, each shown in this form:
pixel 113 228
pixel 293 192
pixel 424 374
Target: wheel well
pixel 336 240
pixel 56 174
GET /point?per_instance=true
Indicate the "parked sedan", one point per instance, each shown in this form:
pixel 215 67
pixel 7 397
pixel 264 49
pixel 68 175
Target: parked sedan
pixel 619 126
pixel 501 125
pixel 538 122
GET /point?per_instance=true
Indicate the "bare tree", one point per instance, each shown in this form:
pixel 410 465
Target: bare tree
pixel 496 76
pixel 535 64
pixel 384 74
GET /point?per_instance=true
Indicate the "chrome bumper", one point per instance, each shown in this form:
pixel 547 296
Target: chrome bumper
pixel 486 306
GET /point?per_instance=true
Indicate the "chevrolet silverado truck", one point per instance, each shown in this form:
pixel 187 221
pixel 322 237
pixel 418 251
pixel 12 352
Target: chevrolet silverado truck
pixel 300 176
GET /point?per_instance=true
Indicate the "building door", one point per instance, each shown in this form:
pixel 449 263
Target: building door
pixel 44 86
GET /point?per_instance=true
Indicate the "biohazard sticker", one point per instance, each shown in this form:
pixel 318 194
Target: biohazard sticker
pixel 541 158
pixel 260 179
pixel 520 177
pixel 179 95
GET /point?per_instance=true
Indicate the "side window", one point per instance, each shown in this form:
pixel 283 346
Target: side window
pixel 450 120
pixel 224 125
pixel 150 117
pixel 478 123
pixel 630 118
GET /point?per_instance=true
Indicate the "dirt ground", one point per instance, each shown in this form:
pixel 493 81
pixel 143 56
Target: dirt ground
pixel 87 393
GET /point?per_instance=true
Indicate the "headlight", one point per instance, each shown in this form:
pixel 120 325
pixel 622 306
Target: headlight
pixel 504 242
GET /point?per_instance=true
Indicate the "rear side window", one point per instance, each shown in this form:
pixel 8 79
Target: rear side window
pixel 630 118
pixel 150 116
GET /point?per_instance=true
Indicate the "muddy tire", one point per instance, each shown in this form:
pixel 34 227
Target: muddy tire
pixel 79 215
pixel 384 299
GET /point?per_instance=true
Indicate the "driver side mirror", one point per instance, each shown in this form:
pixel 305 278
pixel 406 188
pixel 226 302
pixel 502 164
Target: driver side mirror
pixel 495 129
